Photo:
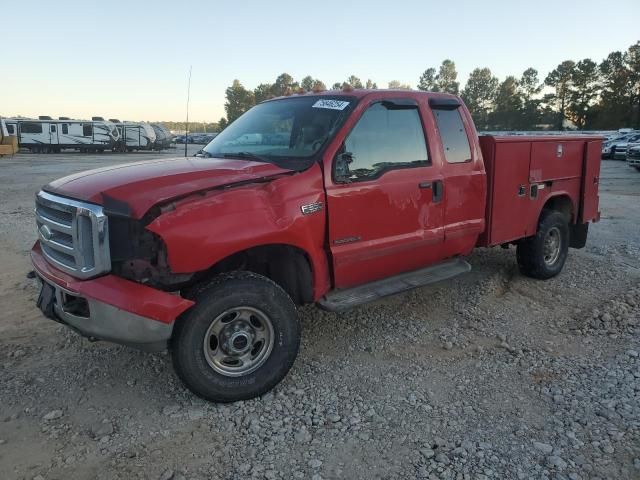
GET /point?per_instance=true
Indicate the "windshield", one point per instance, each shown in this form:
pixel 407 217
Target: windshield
pixel 288 131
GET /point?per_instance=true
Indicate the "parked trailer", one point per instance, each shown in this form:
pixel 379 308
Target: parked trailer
pixel 163 137
pixel 8 141
pixel 135 136
pixel 46 135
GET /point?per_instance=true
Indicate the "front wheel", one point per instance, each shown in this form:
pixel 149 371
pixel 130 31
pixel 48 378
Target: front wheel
pixel 543 255
pixel 239 340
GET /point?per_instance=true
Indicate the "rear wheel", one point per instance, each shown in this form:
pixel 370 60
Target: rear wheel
pixel 239 340
pixel 544 254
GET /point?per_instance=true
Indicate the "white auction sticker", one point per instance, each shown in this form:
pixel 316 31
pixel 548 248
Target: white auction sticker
pixel 332 104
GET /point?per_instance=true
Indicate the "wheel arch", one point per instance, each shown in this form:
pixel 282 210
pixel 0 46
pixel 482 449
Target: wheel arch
pixel 289 266
pixel 561 202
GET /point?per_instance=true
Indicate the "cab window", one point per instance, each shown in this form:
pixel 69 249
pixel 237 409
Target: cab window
pixel 387 136
pixel 453 135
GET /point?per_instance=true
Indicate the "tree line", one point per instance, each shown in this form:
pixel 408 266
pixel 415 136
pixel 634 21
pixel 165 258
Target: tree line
pixel 576 94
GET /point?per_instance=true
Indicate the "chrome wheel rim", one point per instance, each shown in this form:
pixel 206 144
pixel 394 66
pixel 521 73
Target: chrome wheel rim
pixel 551 246
pixel 238 341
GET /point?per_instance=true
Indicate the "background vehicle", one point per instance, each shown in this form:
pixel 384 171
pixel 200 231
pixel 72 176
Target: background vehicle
pixel 619 147
pixel 49 135
pixel 633 156
pixel 163 137
pixel 135 136
pixel 374 192
pixel 201 138
pixel 8 140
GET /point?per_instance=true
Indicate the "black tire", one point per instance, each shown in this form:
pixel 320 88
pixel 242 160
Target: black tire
pixel 533 260
pixel 225 292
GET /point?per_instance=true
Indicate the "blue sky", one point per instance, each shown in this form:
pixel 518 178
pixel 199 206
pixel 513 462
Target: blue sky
pixel 131 59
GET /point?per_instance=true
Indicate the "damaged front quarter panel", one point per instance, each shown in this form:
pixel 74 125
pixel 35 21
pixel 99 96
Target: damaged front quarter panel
pixel 140 255
pixel 203 229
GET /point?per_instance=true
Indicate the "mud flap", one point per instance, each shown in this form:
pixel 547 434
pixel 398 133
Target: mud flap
pixel 578 235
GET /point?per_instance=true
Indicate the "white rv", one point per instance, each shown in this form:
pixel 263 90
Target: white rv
pixel 163 136
pixel 134 136
pixel 49 135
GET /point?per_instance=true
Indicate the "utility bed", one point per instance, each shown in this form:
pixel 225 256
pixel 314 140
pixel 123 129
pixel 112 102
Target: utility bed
pixel 524 171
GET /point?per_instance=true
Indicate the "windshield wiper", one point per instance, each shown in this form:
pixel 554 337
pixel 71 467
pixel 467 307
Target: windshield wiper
pixel 247 156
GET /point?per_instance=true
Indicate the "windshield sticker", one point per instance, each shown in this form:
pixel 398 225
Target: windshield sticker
pixel 331 104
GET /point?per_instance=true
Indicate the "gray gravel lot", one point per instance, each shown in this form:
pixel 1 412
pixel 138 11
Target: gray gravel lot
pixel 490 375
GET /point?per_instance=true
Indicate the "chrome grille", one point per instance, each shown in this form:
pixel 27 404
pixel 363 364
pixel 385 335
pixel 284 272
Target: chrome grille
pixel 74 235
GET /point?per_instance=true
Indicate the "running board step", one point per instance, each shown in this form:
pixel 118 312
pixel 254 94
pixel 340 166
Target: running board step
pixel 340 300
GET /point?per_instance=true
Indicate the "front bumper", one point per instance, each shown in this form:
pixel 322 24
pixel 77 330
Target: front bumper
pixel 109 307
pixel 633 161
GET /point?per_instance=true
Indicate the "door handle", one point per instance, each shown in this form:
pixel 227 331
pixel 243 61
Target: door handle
pixel 424 185
pixel 438 191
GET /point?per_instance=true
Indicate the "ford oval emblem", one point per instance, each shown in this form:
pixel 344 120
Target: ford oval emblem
pixel 46 232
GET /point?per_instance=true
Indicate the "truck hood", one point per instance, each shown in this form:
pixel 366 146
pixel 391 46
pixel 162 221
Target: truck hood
pixel 132 189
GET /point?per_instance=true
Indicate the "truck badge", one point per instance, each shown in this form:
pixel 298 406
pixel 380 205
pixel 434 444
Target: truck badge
pixel 311 208
pixel 46 232
pixel 559 150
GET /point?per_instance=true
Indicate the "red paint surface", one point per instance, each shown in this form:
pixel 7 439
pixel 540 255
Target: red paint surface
pixel 123 294
pixel 204 230
pixel 142 185
pixel 514 161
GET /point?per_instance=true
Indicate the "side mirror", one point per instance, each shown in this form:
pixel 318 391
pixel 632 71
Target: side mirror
pixel 341 170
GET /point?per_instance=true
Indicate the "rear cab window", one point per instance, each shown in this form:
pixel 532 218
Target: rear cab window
pixel 453 135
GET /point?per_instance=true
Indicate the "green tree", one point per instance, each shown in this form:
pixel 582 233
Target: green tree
pixel 239 100
pixel 615 86
pixel 336 86
pixel 633 60
pixel 307 83
pixel 446 80
pixel 355 82
pixel 508 104
pixel 222 124
pixel 318 85
pixel 529 88
pixel 396 84
pixel 427 82
pixel 561 79
pixel 584 92
pixel 371 85
pixel 284 84
pixel 620 97
pixel 479 95
pixel 263 92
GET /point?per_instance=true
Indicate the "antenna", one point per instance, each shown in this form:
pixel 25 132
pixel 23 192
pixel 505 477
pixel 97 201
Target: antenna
pixel 186 133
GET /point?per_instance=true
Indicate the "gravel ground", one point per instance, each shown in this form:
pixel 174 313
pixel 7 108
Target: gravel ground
pixel 490 375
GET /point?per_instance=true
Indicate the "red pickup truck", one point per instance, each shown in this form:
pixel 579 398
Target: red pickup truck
pixel 336 198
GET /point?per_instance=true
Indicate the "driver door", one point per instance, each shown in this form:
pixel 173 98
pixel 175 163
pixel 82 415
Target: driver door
pixel 385 199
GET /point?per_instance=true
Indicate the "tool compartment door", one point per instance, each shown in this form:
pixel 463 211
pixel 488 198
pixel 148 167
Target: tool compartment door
pixel 590 182
pixel 510 207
